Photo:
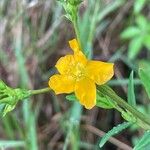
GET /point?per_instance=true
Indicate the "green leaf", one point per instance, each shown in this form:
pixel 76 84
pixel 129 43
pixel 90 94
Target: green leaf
pixel 135 46
pixel 131 94
pixel 142 22
pixel 144 64
pixel 146 41
pixel 128 116
pixel 72 2
pixel 130 32
pixel 11 144
pixel 138 5
pixel 71 97
pixel 145 78
pixel 113 131
pixel 32 132
pixel 112 6
pixel 104 101
pixel 143 142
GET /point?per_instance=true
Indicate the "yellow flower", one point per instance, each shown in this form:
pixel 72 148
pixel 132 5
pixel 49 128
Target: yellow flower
pixel 80 75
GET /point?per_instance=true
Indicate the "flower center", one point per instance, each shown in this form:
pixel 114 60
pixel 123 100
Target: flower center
pixel 78 71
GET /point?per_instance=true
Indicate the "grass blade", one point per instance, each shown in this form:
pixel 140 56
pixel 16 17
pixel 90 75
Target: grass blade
pixel 113 131
pixel 11 144
pixel 131 94
pixel 145 78
pixel 143 142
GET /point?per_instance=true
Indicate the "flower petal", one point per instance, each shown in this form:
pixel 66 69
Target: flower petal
pixel 74 45
pixel 79 57
pixel 64 64
pixel 99 71
pixel 85 91
pixel 61 84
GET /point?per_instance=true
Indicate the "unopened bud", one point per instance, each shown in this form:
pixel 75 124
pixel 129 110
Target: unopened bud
pixel 74 2
pixel 71 8
pixel 9 97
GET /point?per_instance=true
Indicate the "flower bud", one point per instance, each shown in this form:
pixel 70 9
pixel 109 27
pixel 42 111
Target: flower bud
pixel 71 8
pixel 9 97
pixel 74 2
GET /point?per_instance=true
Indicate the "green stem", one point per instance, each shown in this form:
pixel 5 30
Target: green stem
pixel 75 25
pixel 40 91
pixel 122 103
pixel 109 92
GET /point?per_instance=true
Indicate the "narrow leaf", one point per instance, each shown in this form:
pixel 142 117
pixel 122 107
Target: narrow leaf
pixel 147 41
pixel 71 97
pixel 145 78
pixel 113 131
pixel 142 22
pixel 135 46
pixel 11 144
pixel 138 5
pixel 104 101
pixel 143 142
pixel 109 8
pixel 130 32
pixel 144 64
pixel 128 116
pixel 131 94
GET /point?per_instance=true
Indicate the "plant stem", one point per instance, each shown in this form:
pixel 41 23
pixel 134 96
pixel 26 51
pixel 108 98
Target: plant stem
pixel 122 103
pixel 109 92
pixel 75 25
pixel 40 91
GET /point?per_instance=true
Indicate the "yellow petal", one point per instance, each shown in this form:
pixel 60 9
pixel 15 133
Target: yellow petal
pixel 99 71
pixel 61 84
pixel 64 64
pixel 78 55
pixel 85 91
pixel 74 45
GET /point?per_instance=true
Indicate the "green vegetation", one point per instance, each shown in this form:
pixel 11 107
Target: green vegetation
pixel 34 35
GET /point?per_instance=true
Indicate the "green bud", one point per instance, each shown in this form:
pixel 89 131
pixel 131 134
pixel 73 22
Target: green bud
pixel 72 2
pixel 71 8
pixel 9 97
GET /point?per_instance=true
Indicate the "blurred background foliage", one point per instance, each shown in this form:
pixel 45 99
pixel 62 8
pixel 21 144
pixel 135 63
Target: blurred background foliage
pixel 34 34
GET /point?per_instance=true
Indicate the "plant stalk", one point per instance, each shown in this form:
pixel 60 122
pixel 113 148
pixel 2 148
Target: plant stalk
pixel 109 92
pixel 40 91
pixel 75 25
pixel 122 103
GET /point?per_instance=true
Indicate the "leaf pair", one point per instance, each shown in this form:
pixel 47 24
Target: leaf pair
pixel 139 36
